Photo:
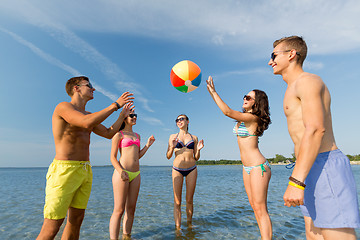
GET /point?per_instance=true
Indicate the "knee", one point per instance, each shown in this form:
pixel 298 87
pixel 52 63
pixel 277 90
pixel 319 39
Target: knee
pixel 50 233
pixel 177 204
pixel 76 220
pixel 259 208
pixel 189 201
pixel 130 210
pixel 118 212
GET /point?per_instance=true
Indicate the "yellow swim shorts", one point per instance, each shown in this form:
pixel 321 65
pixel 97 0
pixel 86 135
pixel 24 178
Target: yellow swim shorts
pixel 68 184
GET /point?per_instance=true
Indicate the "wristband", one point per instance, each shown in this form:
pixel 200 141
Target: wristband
pixel 295 185
pixel 117 105
pixel 294 180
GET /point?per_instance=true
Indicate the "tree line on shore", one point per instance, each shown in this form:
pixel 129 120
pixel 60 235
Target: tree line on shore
pixel 278 159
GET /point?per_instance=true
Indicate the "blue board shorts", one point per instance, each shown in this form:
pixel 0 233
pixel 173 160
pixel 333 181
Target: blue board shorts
pixel 68 184
pixel 330 197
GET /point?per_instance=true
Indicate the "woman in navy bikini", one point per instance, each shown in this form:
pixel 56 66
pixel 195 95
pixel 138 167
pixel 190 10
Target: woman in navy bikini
pixel 250 125
pixel 187 151
pixel 126 177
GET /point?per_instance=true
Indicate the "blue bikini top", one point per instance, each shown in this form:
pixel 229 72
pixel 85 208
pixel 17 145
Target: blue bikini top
pixel 241 130
pixel 189 145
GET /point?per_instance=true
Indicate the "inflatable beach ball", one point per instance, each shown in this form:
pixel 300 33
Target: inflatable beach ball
pixel 185 76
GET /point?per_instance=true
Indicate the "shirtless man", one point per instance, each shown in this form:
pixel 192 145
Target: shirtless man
pixel 69 177
pixel 322 181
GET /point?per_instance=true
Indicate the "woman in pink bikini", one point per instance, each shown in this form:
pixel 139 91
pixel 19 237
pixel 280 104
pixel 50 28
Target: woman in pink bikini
pixel 126 177
pixel 187 152
pixel 250 125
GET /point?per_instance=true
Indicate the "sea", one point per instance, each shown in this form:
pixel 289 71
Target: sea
pixel 221 207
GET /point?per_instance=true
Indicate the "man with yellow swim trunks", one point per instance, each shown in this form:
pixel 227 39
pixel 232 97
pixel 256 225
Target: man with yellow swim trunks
pixel 69 177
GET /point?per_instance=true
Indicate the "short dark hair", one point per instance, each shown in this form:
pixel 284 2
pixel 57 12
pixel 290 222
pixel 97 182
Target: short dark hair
pixel 297 43
pixel 69 87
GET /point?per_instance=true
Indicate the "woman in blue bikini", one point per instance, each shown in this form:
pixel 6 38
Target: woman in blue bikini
pixel 250 125
pixel 126 177
pixel 187 151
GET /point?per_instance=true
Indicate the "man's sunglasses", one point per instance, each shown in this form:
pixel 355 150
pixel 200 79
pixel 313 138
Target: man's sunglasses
pixel 273 56
pixel 248 98
pixel 88 85
pixel 180 119
pixel 131 115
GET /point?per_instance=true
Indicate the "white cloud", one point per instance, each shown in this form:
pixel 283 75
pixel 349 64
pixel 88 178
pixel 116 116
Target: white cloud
pixel 54 61
pixel 324 23
pixel 47 57
pixel 313 66
pixel 36 15
pixel 235 73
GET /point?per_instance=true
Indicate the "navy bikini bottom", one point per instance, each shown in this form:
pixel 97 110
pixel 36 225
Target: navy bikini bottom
pixel 185 171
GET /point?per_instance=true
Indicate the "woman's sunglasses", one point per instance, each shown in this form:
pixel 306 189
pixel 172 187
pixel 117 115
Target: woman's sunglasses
pixel 131 115
pixel 248 98
pixel 180 119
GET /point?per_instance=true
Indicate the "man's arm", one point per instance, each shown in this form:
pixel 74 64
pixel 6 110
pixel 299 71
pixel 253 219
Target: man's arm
pixel 309 91
pixel 313 114
pixel 108 133
pixel 73 116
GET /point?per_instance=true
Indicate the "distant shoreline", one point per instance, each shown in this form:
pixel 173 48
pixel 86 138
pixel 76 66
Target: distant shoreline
pixel 200 163
pixel 238 162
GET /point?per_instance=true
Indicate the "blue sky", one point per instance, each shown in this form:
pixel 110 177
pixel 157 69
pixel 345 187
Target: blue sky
pixel 132 45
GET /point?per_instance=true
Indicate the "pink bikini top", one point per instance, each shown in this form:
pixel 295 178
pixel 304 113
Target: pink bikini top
pixel 127 142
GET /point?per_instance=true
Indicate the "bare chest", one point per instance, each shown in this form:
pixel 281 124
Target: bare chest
pixel 291 105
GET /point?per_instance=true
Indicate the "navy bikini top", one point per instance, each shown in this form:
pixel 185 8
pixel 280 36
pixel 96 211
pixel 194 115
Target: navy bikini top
pixel 189 145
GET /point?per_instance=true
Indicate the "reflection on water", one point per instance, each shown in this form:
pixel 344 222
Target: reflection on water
pixel 221 208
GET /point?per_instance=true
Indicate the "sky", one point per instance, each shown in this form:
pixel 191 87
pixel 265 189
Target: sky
pixel 128 45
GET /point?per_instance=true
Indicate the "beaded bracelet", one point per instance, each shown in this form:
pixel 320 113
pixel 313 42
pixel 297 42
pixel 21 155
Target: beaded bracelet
pixel 294 180
pixel 295 185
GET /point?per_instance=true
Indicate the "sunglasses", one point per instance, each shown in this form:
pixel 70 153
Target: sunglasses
pixel 248 98
pixel 131 115
pixel 88 85
pixel 273 56
pixel 180 119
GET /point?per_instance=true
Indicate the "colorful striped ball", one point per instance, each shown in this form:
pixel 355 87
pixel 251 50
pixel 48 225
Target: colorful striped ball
pixel 185 76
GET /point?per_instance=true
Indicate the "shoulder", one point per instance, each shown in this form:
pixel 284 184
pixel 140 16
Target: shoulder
pixel 309 79
pixel 194 137
pixel 172 136
pixel 63 107
pixel 117 136
pixel 308 82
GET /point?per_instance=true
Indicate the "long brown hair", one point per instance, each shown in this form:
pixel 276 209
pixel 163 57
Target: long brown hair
pixel 262 110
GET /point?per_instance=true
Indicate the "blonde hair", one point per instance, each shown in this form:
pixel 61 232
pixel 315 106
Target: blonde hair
pixel 297 43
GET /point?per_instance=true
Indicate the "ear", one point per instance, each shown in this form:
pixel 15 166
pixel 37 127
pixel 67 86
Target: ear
pixel 292 54
pixel 76 88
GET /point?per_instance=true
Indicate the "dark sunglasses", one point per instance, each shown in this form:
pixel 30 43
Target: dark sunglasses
pixel 273 56
pixel 180 119
pixel 248 98
pixel 88 85
pixel 131 115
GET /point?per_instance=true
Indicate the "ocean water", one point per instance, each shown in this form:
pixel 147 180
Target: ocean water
pixel 221 208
